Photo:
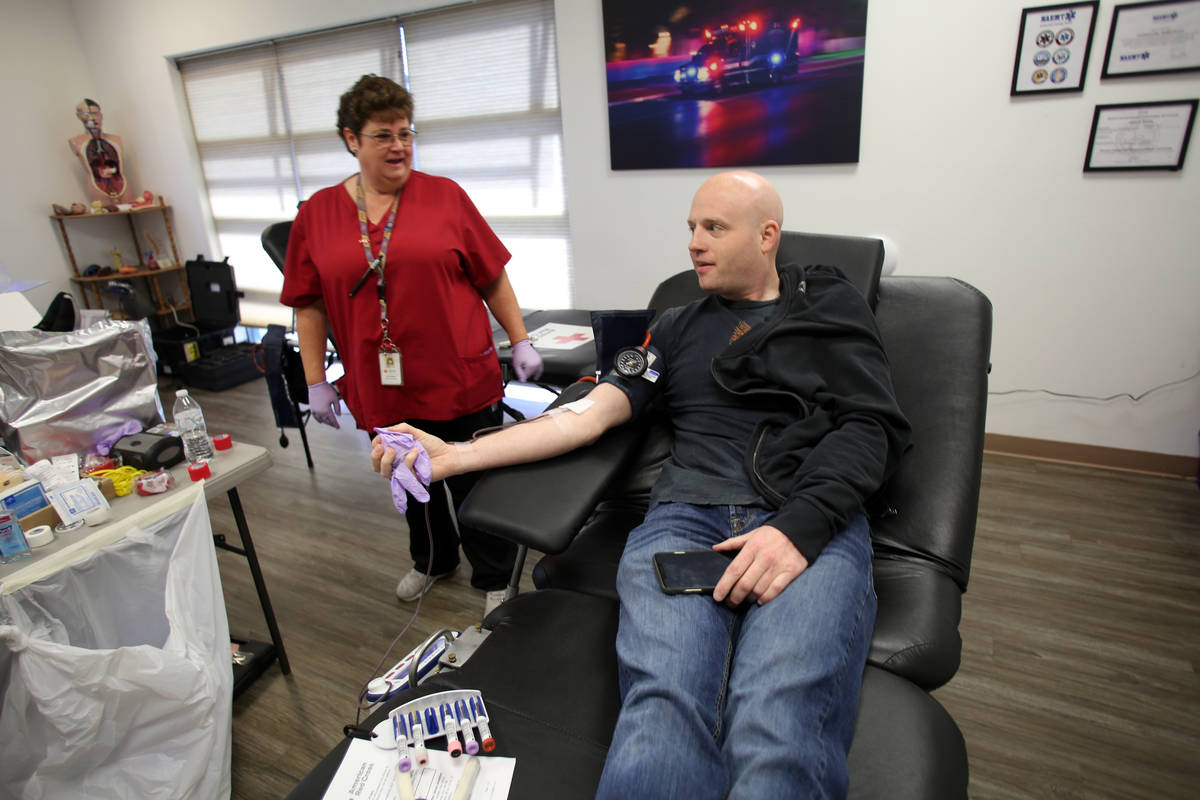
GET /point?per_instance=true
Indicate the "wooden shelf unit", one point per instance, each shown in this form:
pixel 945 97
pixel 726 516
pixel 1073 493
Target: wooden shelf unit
pixel 162 308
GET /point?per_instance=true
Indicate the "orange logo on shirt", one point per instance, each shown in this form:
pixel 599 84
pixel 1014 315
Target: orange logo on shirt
pixel 740 330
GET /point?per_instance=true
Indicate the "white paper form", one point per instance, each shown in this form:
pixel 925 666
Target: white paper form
pixel 58 471
pixel 368 773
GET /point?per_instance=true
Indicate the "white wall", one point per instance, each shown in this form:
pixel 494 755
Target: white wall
pixel 1093 278
pixel 43 76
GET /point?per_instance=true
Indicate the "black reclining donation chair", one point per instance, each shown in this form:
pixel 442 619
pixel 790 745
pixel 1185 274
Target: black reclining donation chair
pixel 548 669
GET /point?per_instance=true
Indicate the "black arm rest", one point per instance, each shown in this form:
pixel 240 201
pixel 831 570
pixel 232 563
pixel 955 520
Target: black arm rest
pixel 544 504
pixel 937 332
pixel 916 627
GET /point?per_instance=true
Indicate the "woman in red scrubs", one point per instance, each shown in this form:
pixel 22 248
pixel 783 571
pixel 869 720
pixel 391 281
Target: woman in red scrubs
pixel 399 264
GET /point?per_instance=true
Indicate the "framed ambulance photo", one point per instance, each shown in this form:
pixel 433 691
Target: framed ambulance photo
pixel 738 83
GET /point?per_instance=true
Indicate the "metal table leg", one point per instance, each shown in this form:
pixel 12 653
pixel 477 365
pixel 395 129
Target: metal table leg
pixel 247 550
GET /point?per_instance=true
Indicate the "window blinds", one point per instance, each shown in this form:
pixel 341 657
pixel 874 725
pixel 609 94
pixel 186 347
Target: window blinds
pixel 484 81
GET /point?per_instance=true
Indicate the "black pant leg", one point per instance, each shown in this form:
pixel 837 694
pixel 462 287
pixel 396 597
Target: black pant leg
pixel 491 558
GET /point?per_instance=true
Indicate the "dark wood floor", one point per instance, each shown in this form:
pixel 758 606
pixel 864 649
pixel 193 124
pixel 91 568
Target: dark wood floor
pixel 1081 631
pixel 1081 626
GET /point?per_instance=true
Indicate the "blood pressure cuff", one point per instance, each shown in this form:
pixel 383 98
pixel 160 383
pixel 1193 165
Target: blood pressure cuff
pixel 616 329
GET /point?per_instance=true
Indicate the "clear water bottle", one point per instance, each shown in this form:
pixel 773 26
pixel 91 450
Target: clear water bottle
pixel 189 420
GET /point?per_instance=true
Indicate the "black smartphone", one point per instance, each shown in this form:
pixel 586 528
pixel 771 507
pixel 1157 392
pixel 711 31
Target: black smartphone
pixel 691 572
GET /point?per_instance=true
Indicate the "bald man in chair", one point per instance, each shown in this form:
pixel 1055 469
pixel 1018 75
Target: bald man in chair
pixel 785 422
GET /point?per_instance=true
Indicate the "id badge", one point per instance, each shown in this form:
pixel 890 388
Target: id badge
pixel 391 372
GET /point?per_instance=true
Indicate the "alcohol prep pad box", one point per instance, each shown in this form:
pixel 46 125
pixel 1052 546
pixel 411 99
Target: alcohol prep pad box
pixel 24 499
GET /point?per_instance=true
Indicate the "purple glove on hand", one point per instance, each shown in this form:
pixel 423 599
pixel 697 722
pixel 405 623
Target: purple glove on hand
pixel 403 481
pixel 526 361
pixel 324 403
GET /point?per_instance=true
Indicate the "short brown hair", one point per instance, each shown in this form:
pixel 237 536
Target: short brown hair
pixel 370 96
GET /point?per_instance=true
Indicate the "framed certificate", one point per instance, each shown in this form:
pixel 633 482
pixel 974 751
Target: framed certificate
pixel 1128 136
pixel 1052 48
pixel 1153 39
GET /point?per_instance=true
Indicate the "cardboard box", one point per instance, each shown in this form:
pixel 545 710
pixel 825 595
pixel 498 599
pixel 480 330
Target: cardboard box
pixel 106 487
pixel 46 516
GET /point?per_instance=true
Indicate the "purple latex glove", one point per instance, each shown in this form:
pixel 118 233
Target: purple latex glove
pixel 127 428
pixel 403 481
pixel 324 403
pixel 526 361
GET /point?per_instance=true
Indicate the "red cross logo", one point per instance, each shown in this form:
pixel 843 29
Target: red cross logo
pixel 574 337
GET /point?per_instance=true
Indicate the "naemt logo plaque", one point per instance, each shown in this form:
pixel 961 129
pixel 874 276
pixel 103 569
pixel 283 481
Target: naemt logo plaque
pixel 1052 48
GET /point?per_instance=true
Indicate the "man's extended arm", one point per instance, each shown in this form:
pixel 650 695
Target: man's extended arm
pixel 542 437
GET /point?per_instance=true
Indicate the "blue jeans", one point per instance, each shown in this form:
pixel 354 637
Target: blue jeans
pixel 753 703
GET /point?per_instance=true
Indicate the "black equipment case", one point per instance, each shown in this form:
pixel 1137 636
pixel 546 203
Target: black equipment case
pixel 210 357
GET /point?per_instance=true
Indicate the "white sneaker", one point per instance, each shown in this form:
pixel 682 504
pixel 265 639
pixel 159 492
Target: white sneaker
pixel 415 584
pixel 492 600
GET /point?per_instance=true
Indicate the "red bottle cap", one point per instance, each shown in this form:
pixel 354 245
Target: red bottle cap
pixel 222 441
pixel 199 471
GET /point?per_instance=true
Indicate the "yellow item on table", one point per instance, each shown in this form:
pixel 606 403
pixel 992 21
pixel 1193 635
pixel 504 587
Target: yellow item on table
pixel 122 477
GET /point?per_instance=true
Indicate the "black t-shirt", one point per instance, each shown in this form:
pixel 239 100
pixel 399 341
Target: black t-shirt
pixel 712 427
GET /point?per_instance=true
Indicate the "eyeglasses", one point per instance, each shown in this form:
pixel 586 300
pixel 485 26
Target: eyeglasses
pixel 386 139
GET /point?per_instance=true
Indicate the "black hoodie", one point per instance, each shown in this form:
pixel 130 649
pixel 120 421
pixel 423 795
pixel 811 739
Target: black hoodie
pixel 838 433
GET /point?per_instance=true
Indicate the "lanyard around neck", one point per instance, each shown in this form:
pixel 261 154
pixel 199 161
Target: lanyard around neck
pixel 376 263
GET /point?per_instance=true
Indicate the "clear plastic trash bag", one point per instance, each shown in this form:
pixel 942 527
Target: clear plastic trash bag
pixel 117 670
